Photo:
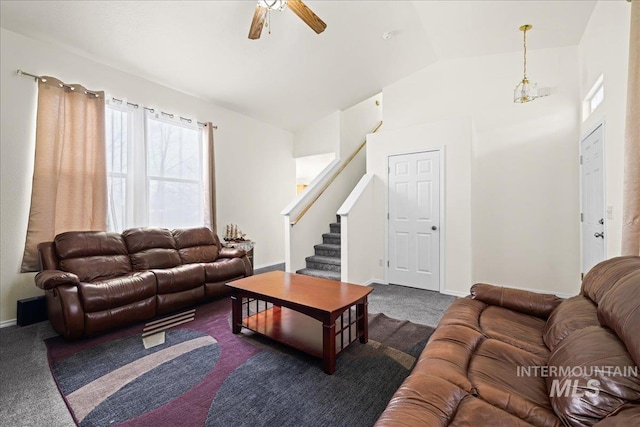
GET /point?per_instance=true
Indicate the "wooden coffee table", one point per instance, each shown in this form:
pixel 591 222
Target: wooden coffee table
pixel 304 312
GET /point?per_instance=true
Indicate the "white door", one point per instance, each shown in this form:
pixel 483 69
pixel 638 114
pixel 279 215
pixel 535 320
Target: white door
pixel 414 220
pixel 593 205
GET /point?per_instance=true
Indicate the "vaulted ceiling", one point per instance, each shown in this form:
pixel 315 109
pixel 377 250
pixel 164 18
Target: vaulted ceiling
pixel 292 76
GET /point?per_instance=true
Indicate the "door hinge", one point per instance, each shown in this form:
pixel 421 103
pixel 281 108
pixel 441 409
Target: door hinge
pixel 580 159
pixel 387 264
pixel 581 217
pixel 389 170
pixel 387 215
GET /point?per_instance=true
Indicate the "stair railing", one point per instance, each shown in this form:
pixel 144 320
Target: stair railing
pixel 333 177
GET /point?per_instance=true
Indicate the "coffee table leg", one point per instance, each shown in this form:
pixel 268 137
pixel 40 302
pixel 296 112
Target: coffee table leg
pixel 363 321
pixel 329 347
pixel 236 314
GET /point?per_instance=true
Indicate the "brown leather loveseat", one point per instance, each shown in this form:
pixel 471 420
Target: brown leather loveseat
pixel 506 357
pixel 96 281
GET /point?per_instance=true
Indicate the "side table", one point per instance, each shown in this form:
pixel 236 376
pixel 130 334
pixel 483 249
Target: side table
pixel 247 245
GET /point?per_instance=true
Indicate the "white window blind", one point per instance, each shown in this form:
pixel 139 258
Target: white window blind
pixel 154 170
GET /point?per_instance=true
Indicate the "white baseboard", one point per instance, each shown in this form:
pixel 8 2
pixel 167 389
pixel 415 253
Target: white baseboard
pixel 454 293
pixel 7 323
pixel 372 281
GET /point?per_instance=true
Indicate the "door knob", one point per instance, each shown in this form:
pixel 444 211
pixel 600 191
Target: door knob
pixel 434 228
pixel 601 235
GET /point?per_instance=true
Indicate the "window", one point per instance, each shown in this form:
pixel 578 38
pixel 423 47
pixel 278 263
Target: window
pixel 593 99
pixel 154 170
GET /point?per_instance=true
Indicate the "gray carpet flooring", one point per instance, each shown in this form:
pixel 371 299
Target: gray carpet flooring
pixel 29 396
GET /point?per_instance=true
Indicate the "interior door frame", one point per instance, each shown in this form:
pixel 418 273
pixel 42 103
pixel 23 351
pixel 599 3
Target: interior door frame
pixel 600 123
pixel 443 229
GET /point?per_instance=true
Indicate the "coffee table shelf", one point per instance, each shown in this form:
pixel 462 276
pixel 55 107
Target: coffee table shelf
pixel 311 314
pixel 298 330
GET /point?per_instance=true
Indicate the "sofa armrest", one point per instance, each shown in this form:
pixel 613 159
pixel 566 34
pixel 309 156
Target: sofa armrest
pixel 231 253
pixel 539 305
pixel 49 279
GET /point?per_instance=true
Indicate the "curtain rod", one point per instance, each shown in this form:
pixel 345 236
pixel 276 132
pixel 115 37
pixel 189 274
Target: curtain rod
pixel 151 110
pixel 36 78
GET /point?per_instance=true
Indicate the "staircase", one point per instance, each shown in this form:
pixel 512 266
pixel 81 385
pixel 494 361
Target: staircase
pixel 326 262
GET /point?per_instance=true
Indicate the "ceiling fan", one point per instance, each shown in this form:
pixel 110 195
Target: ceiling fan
pixel 264 7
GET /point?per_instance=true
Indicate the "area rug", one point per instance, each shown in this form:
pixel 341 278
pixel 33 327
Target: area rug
pixel 203 375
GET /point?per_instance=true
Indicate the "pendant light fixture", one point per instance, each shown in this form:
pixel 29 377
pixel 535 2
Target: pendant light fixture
pixel 525 91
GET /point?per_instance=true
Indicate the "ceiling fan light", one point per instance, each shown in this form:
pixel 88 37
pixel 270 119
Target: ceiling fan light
pixel 272 4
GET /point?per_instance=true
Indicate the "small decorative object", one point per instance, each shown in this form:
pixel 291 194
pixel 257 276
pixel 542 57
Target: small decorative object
pixel 233 234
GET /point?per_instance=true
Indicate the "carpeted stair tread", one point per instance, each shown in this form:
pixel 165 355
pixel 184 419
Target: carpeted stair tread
pixel 324 274
pixel 331 238
pixel 323 263
pixel 334 227
pixel 324 259
pixel 326 249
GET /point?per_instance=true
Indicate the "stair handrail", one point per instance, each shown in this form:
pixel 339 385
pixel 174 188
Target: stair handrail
pixel 334 176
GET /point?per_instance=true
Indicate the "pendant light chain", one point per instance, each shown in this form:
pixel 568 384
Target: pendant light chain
pixel 525 53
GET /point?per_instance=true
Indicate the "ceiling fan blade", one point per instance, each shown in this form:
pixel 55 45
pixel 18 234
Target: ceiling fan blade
pixel 258 22
pixel 304 13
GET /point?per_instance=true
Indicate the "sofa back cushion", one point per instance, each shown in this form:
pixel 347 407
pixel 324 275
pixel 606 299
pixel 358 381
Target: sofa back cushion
pixel 151 248
pixel 619 310
pixel 603 276
pixel 196 245
pixel 591 375
pixel 92 255
pixel 572 314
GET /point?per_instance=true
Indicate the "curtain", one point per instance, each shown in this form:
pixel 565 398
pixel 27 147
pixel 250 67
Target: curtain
pixel 631 190
pixel 69 191
pixel 210 217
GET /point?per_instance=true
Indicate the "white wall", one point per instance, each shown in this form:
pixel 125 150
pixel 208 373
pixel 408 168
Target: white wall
pixel 320 137
pixel 255 169
pixel 308 167
pixel 455 138
pixel 524 173
pixel 358 253
pixel 356 122
pixel 604 49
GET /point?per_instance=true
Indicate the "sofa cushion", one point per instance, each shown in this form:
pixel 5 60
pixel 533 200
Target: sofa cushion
pixel 619 310
pixel 448 354
pixel 151 248
pixel 423 400
pixel 573 314
pixel 603 276
pixel 100 321
pixel 496 371
pixel 181 278
pixel 118 291
pixel 224 269
pixel 518 329
pixel 92 255
pixel 196 245
pixel 581 388
pixel 540 305
pixel 78 244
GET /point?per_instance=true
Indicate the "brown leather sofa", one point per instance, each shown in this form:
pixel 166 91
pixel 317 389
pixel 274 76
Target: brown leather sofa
pixel 96 281
pixel 506 357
